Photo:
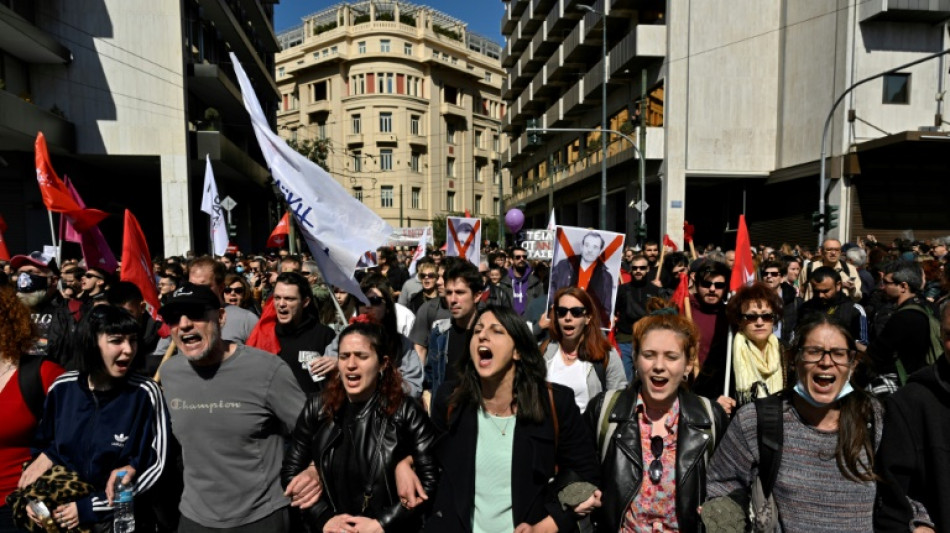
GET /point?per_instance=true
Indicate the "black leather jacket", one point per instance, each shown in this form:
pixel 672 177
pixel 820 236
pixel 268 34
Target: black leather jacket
pixel 407 432
pixel 622 467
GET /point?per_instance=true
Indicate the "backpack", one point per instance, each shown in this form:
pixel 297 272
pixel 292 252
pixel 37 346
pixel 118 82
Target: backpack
pixel 936 341
pixel 31 384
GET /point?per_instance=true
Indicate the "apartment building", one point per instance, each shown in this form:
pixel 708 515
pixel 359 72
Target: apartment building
pixel 740 92
pixel 407 103
pixel 131 95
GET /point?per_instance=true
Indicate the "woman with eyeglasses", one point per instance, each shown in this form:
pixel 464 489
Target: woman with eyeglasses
pixel 824 472
pixel 237 291
pixel 655 437
pixel 577 354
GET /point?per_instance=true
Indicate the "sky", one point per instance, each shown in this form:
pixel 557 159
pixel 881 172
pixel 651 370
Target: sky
pixel 483 16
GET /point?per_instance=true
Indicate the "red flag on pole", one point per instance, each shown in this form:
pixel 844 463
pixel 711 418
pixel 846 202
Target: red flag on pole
pixel 137 264
pixel 743 271
pixel 278 237
pixel 56 196
pixel 4 253
pixel 95 249
pixel 669 242
pixel 682 293
pixel 688 231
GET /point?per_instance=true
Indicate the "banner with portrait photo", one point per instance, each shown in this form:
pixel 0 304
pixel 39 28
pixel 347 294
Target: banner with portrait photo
pixel 589 259
pixel 464 238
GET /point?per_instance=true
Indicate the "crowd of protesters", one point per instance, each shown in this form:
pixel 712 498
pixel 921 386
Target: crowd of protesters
pixel 261 399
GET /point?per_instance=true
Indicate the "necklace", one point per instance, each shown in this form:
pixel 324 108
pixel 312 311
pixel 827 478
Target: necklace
pixel 502 429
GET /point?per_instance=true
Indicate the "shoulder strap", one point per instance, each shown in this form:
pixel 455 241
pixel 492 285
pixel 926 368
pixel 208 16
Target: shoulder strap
pixel 770 437
pixel 601 370
pixel 31 384
pixel 607 428
pixel 707 405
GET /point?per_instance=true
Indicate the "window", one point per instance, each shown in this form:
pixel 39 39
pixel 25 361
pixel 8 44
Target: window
pixel 319 91
pixel 496 206
pixel 358 193
pixel 326 52
pixel 358 83
pixel 414 161
pixel 361 47
pixel 333 50
pixel 450 133
pixel 450 95
pixel 897 89
pixel 450 201
pixel 357 162
pixel 357 127
pixel 495 143
pixel 414 125
pixel 450 168
pixel 385 159
pixel 479 171
pixel 478 203
pixel 386 196
pixel 488 76
pixel 321 130
pixel 384 45
pixel 407 49
pixel 494 173
pixel 416 198
pixel 386 122
pixel 478 138
pixel 280 72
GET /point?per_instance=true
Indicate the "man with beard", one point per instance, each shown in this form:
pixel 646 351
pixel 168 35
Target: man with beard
pixel 709 314
pixel 825 284
pixel 651 250
pixel 36 278
pixel 231 407
pixel 588 272
pixel 632 306
pixel 521 284
pixel 210 273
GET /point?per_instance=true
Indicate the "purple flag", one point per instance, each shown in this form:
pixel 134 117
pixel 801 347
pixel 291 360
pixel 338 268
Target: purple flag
pixel 95 249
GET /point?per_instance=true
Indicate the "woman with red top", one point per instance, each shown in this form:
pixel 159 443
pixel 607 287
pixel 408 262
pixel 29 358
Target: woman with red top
pixel 669 431
pixel 19 422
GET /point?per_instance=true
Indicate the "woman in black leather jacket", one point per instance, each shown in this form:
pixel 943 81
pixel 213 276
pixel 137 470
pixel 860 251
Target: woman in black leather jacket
pixel 356 432
pixel 654 436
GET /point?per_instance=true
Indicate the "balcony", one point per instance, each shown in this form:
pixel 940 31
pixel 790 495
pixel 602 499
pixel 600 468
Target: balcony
pixel 927 11
pixel 239 165
pixel 320 106
pixel 20 120
pixel 645 43
pixel 20 38
pixel 354 139
pixel 446 108
pixel 218 12
pixel 418 140
pixel 212 85
pixel 481 153
pixel 261 24
pixel 385 138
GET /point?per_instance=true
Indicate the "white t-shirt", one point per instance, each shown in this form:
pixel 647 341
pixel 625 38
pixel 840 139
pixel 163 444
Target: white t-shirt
pixel 573 376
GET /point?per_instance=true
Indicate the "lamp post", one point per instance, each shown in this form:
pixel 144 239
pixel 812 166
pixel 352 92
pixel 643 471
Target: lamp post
pixel 603 118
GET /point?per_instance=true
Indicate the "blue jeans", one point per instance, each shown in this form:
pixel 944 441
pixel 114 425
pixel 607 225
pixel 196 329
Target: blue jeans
pixel 626 358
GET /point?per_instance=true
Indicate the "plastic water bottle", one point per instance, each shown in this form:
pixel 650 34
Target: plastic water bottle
pixel 124 521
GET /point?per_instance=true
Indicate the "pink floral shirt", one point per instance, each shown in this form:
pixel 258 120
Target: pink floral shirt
pixel 654 508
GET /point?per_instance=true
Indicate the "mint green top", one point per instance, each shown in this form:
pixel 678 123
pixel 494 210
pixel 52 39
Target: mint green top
pixel 493 452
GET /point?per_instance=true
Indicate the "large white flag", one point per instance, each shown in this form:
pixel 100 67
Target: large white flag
pixel 464 238
pixel 211 204
pixel 420 250
pixel 337 227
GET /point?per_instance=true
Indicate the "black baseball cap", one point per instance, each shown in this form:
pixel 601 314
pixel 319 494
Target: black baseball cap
pixel 189 297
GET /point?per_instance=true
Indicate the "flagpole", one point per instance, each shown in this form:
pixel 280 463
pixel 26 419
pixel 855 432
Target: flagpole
pixel 52 232
pixel 659 264
pixel 729 341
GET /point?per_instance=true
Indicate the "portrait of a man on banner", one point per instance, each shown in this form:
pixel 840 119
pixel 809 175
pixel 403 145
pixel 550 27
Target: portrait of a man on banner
pixel 588 259
pixel 463 238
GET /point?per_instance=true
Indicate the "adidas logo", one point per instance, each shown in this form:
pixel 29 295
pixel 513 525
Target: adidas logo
pixel 119 440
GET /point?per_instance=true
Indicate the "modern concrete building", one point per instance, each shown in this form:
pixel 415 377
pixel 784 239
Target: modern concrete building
pixel 408 103
pixel 131 95
pixel 746 88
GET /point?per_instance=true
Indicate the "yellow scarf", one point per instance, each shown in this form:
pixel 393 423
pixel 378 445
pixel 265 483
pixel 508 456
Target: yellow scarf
pixel 751 366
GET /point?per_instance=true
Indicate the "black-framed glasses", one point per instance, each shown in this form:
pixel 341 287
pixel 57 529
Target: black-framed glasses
pixel 656 465
pixel 576 312
pixel 839 356
pixel 375 300
pixel 754 317
pixel 718 285
pixel 234 290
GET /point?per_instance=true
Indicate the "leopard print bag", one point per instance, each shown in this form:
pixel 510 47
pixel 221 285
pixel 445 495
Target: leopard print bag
pixel 57 486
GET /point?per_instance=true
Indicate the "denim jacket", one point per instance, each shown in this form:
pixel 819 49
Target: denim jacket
pixel 438 357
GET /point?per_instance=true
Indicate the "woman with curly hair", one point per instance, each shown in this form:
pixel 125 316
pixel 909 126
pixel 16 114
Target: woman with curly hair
pixel 20 418
pixel 356 432
pixel 577 354
pixel 237 291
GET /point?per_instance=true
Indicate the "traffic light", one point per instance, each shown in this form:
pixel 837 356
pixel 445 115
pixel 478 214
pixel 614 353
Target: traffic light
pixel 534 137
pixel 817 221
pixel 832 216
pixel 641 232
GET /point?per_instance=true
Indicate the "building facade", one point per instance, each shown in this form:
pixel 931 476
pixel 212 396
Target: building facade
pixel 407 103
pixel 743 90
pixel 131 95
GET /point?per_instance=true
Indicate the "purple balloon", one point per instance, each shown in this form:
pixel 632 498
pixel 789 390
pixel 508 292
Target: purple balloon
pixel 514 219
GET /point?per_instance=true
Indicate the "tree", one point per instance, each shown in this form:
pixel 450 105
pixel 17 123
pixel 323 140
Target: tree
pixel 314 150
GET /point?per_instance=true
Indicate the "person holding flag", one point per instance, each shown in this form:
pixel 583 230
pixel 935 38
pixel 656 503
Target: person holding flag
pixel 709 314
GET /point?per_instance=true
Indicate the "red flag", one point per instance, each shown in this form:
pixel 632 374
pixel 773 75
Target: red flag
pixel 137 264
pixel 95 249
pixel 278 237
pixel 468 214
pixel 264 334
pixel 688 231
pixel 682 293
pixel 743 271
pixel 669 242
pixel 55 195
pixel 4 253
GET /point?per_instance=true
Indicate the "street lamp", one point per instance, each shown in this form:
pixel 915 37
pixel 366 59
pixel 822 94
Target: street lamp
pixel 603 118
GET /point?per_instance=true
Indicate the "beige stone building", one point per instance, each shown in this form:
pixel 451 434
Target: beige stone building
pixel 410 102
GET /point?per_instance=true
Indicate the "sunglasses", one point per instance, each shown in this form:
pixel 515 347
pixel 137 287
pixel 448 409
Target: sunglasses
pixel 91 276
pixel 520 256
pixel 432 275
pixel 639 268
pixel 656 466
pixel 375 300
pixel 173 316
pixel 718 285
pixel 575 312
pixel 234 290
pixel 770 274
pixel 754 317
